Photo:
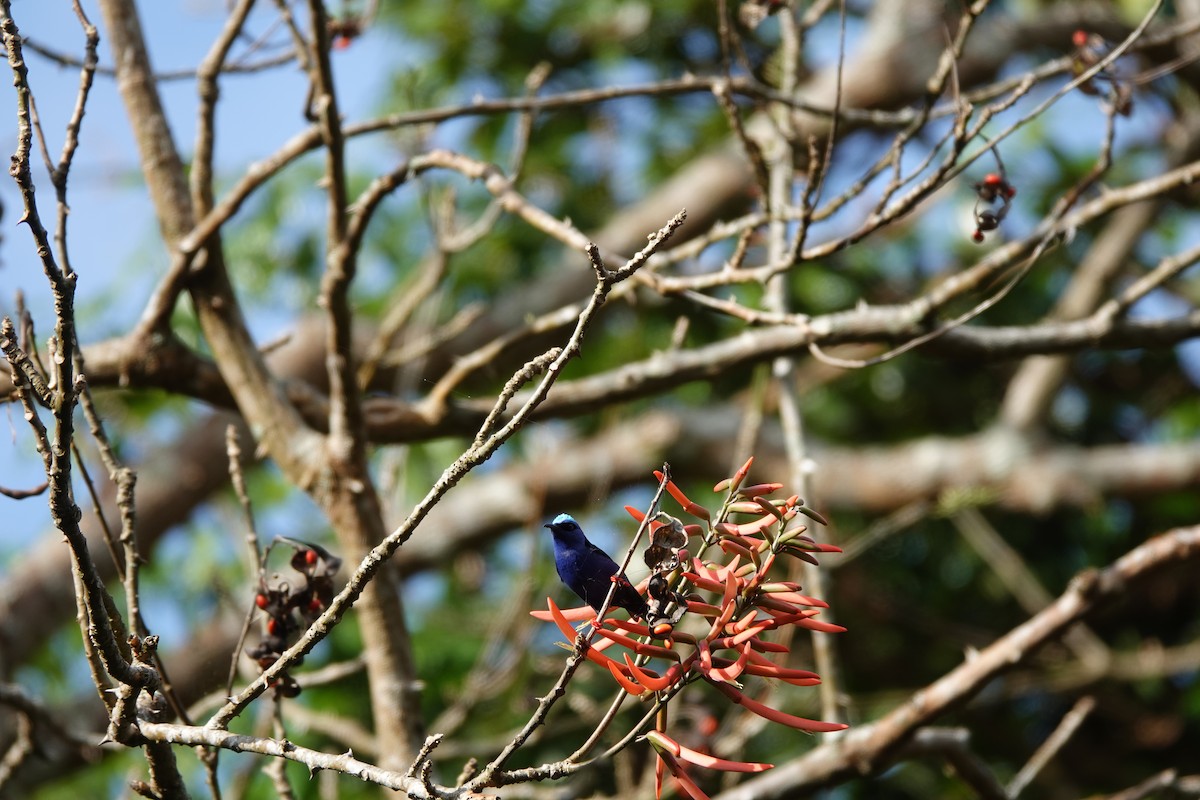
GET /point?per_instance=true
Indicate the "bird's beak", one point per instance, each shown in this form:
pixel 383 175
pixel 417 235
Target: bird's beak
pixel 549 525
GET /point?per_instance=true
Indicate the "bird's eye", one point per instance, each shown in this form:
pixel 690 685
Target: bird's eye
pixel 570 525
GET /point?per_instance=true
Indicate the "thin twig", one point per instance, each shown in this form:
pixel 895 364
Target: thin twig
pixel 1054 742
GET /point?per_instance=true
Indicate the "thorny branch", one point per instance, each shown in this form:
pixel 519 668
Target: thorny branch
pixel 131 662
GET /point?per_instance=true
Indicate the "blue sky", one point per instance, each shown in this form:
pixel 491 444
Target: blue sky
pixel 112 232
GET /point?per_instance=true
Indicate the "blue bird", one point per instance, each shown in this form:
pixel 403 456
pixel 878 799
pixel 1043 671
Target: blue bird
pixel 588 571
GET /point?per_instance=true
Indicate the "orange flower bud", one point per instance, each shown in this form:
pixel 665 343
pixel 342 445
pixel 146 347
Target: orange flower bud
pixel 625 683
pixel 760 489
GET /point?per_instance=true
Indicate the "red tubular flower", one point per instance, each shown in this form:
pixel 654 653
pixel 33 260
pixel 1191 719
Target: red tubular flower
pixel 593 654
pixel 728 586
pixel 752 543
pixel 726 528
pixel 773 603
pixel 703 609
pixel 733 566
pixel 715 575
pixel 730 670
pixel 664 744
pixel 774 715
pixel 780 617
pixel 718 625
pixel 729 598
pixel 757 659
pixel 792 596
pixel 651 650
pixel 757 526
pixel 686 785
pixel 695 509
pixel 820 625
pixel 803 543
pixel 732 546
pixel 769 507
pixel 744 623
pixel 625 683
pixel 578 614
pixel 744 507
pixel 758 664
pixel 768 647
pixel 561 621
pixel 759 489
pixel 650 679
pixel 744 636
pixel 742 603
pixel 735 481
pixel 685 638
pixel 760 572
pixel 704 582
pixel 628 627
pixel 603 644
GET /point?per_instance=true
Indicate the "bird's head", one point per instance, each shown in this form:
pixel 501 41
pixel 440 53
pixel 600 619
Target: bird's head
pixel 565 529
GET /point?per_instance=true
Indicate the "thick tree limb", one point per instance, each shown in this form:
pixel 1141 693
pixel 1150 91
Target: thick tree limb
pixel 869 748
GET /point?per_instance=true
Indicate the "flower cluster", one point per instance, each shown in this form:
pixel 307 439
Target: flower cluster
pixel 289 608
pixel 1090 48
pixel 712 614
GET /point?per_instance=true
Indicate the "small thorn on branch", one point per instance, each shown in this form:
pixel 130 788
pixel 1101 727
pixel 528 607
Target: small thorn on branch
pixel 421 762
pixel 594 256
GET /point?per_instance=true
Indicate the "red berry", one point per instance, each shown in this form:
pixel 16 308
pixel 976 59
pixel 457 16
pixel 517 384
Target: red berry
pixel 1079 38
pixel 315 604
pixel 273 626
pixel 310 557
pixel 261 600
pixel 1010 191
pixel 977 236
pixel 992 179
